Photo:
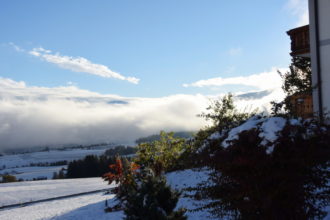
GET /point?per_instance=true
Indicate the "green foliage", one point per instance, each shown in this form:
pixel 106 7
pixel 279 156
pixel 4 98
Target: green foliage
pixel 290 183
pixel 8 179
pixel 121 151
pixel 142 195
pixel 223 113
pixel 90 166
pixel 224 116
pixel 163 154
pixel 49 164
pixel 156 137
pixel 152 199
pixel 298 80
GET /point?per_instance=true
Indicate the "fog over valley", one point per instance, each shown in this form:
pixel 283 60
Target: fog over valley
pixel 39 116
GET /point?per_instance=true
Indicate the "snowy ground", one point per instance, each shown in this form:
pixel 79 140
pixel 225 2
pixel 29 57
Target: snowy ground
pixel 87 206
pixel 183 179
pixel 13 193
pixel 19 160
pixel 28 173
pixel 19 164
pixel 83 207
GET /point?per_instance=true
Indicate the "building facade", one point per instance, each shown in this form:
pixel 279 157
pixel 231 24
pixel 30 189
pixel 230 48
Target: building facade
pixel 319 34
pixel 301 103
pixel 313 41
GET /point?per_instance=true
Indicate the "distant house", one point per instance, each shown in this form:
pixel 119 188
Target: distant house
pixel 313 41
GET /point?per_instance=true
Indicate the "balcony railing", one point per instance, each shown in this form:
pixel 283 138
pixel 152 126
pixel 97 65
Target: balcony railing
pixel 299 41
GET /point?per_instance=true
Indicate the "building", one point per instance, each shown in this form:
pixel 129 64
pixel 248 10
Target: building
pixel 301 103
pixel 313 41
pixel 300 41
pixel 319 32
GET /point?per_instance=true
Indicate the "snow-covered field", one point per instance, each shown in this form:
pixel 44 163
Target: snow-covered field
pixel 84 207
pixel 28 173
pixel 87 206
pixel 19 160
pixel 19 192
pixel 18 165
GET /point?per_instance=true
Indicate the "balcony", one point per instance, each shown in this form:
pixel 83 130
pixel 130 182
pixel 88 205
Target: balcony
pixel 300 41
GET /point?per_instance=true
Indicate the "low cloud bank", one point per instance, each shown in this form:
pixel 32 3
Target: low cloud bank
pixel 261 81
pixel 41 116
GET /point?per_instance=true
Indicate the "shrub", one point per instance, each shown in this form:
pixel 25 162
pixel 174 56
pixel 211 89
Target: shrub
pixel 224 114
pixel 156 137
pixel 162 155
pixel 122 173
pixel 143 195
pixel 8 178
pixel 120 150
pixel 292 182
pixel 153 199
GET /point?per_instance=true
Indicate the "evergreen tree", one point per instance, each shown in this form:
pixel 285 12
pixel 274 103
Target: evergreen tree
pixel 8 178
pixel 224 114
pixel 153 199
pixel 298 80
pixel 55 176
pixel 61 174
pixel 90 166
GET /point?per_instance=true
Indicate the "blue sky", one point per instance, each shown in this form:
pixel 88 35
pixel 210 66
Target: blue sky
pixel 86 72
pixel 165 44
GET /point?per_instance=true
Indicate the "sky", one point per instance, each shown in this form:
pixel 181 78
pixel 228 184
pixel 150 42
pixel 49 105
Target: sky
pixel 91 71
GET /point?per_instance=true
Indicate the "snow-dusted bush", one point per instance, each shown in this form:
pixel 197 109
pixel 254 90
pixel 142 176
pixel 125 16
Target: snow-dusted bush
pixel 269 168
pixel 142 194
pixel 153 199
pixel 224 116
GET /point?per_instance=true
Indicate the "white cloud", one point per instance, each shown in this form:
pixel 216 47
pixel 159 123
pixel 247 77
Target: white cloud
pixel 299 8
pixel 261 81
pixel 79 64
pixel 40 116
